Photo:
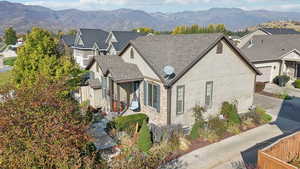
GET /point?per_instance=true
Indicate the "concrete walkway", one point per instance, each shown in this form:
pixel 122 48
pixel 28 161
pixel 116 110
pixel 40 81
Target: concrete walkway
pixel 228 153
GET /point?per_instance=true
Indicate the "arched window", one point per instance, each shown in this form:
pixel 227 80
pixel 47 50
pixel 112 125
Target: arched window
pixel 131 53
pixel 220 48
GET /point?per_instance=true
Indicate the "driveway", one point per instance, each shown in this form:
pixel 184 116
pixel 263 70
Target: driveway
pixel 289 109
pixel 235 152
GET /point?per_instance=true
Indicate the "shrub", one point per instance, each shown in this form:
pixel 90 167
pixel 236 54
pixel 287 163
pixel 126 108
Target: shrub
pixel 198 113
pixel 297 83
pixel 263 116
pixel 284 96
pixel 209 135
pixel 281 80
pixel 217 125
pixel 229 111
pixel 124 122
pixel 233 128
pixel 165 133
pixel 195 132
pixel 144 140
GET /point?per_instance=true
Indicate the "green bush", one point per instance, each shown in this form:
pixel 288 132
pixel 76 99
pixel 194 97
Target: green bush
pixel 297 83
pixel 195 132
pixel 198 113
pixel 281 80
pixel 285 96
pixel 229 111
pixel 263 116
pixel 9 61
pixel 124 122
pixel 144 142
pixel 218 125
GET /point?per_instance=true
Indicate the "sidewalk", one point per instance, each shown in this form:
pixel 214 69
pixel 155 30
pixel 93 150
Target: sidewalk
pixel 227 153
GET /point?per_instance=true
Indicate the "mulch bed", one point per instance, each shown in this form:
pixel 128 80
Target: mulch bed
pixel 269 94
pixel 200 143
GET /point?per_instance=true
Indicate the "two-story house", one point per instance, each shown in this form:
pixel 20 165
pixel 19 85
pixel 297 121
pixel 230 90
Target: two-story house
pixel 117 40
pixel 85 39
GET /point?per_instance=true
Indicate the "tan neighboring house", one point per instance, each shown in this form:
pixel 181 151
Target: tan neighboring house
pixel 166 76
pixel 247 39
pixel 275 55
pixel 85 39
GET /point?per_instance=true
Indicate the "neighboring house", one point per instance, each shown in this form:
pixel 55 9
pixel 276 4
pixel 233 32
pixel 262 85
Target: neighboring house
pixel 9 51
pixel 166 76
pixel 83 46
pixel 117 40
pixel 265 31
pixel 67 42
pixel 275 55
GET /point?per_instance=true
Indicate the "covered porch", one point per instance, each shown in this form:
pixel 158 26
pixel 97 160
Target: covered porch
pixel 291 68
pixel 125 96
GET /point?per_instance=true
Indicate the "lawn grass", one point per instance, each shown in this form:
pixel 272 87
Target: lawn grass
pixel 5 77
pixel 9 61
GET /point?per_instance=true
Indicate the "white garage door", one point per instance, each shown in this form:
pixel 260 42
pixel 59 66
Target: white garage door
pixel 266 74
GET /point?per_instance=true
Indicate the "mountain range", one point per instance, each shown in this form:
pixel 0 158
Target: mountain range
pixel 23 17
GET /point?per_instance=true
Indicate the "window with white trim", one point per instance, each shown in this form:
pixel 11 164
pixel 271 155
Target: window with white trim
pixel 180 99
pixel 152 95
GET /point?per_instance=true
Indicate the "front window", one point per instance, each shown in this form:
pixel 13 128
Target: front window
pixel 208 94
pixel 152 95
pixel 180 100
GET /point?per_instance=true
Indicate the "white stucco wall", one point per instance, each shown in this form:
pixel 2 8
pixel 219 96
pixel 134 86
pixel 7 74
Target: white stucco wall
pixel 275 71
pixel 247 38
pixel 232 80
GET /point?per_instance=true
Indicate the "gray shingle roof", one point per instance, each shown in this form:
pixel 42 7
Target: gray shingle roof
pixel 123 37
pixel 279 31
pixel 92 36
pixel 119 70
pixel 68 39
pixel 271 47
pixel 178 51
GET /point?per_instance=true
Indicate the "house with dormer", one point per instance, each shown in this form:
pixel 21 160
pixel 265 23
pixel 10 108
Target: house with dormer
pixel 166 76
pixel 85 39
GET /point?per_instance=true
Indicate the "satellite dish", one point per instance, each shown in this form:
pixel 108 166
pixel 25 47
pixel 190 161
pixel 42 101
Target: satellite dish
pixel 169 71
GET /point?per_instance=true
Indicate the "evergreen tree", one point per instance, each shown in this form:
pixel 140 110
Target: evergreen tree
pixel 10 36
pixel 144 140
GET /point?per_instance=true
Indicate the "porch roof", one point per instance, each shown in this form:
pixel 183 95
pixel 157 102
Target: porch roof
pixel 120 71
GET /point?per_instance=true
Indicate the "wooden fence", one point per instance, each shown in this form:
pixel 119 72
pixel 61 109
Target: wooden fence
pixel 277 155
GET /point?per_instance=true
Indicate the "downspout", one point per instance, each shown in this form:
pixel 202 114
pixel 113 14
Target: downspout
pixel 169 100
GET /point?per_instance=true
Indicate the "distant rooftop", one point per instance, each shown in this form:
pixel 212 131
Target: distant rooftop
pixel 279 31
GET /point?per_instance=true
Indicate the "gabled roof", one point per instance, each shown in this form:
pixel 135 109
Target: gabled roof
pixel 91 36
pixel 123 37
pixel 273 47
pixel 68 39
pixel 179 51
pixel 120 70
pixel 279 31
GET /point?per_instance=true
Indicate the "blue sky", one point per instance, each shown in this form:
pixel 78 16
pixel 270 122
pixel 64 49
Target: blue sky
pixel 166 5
